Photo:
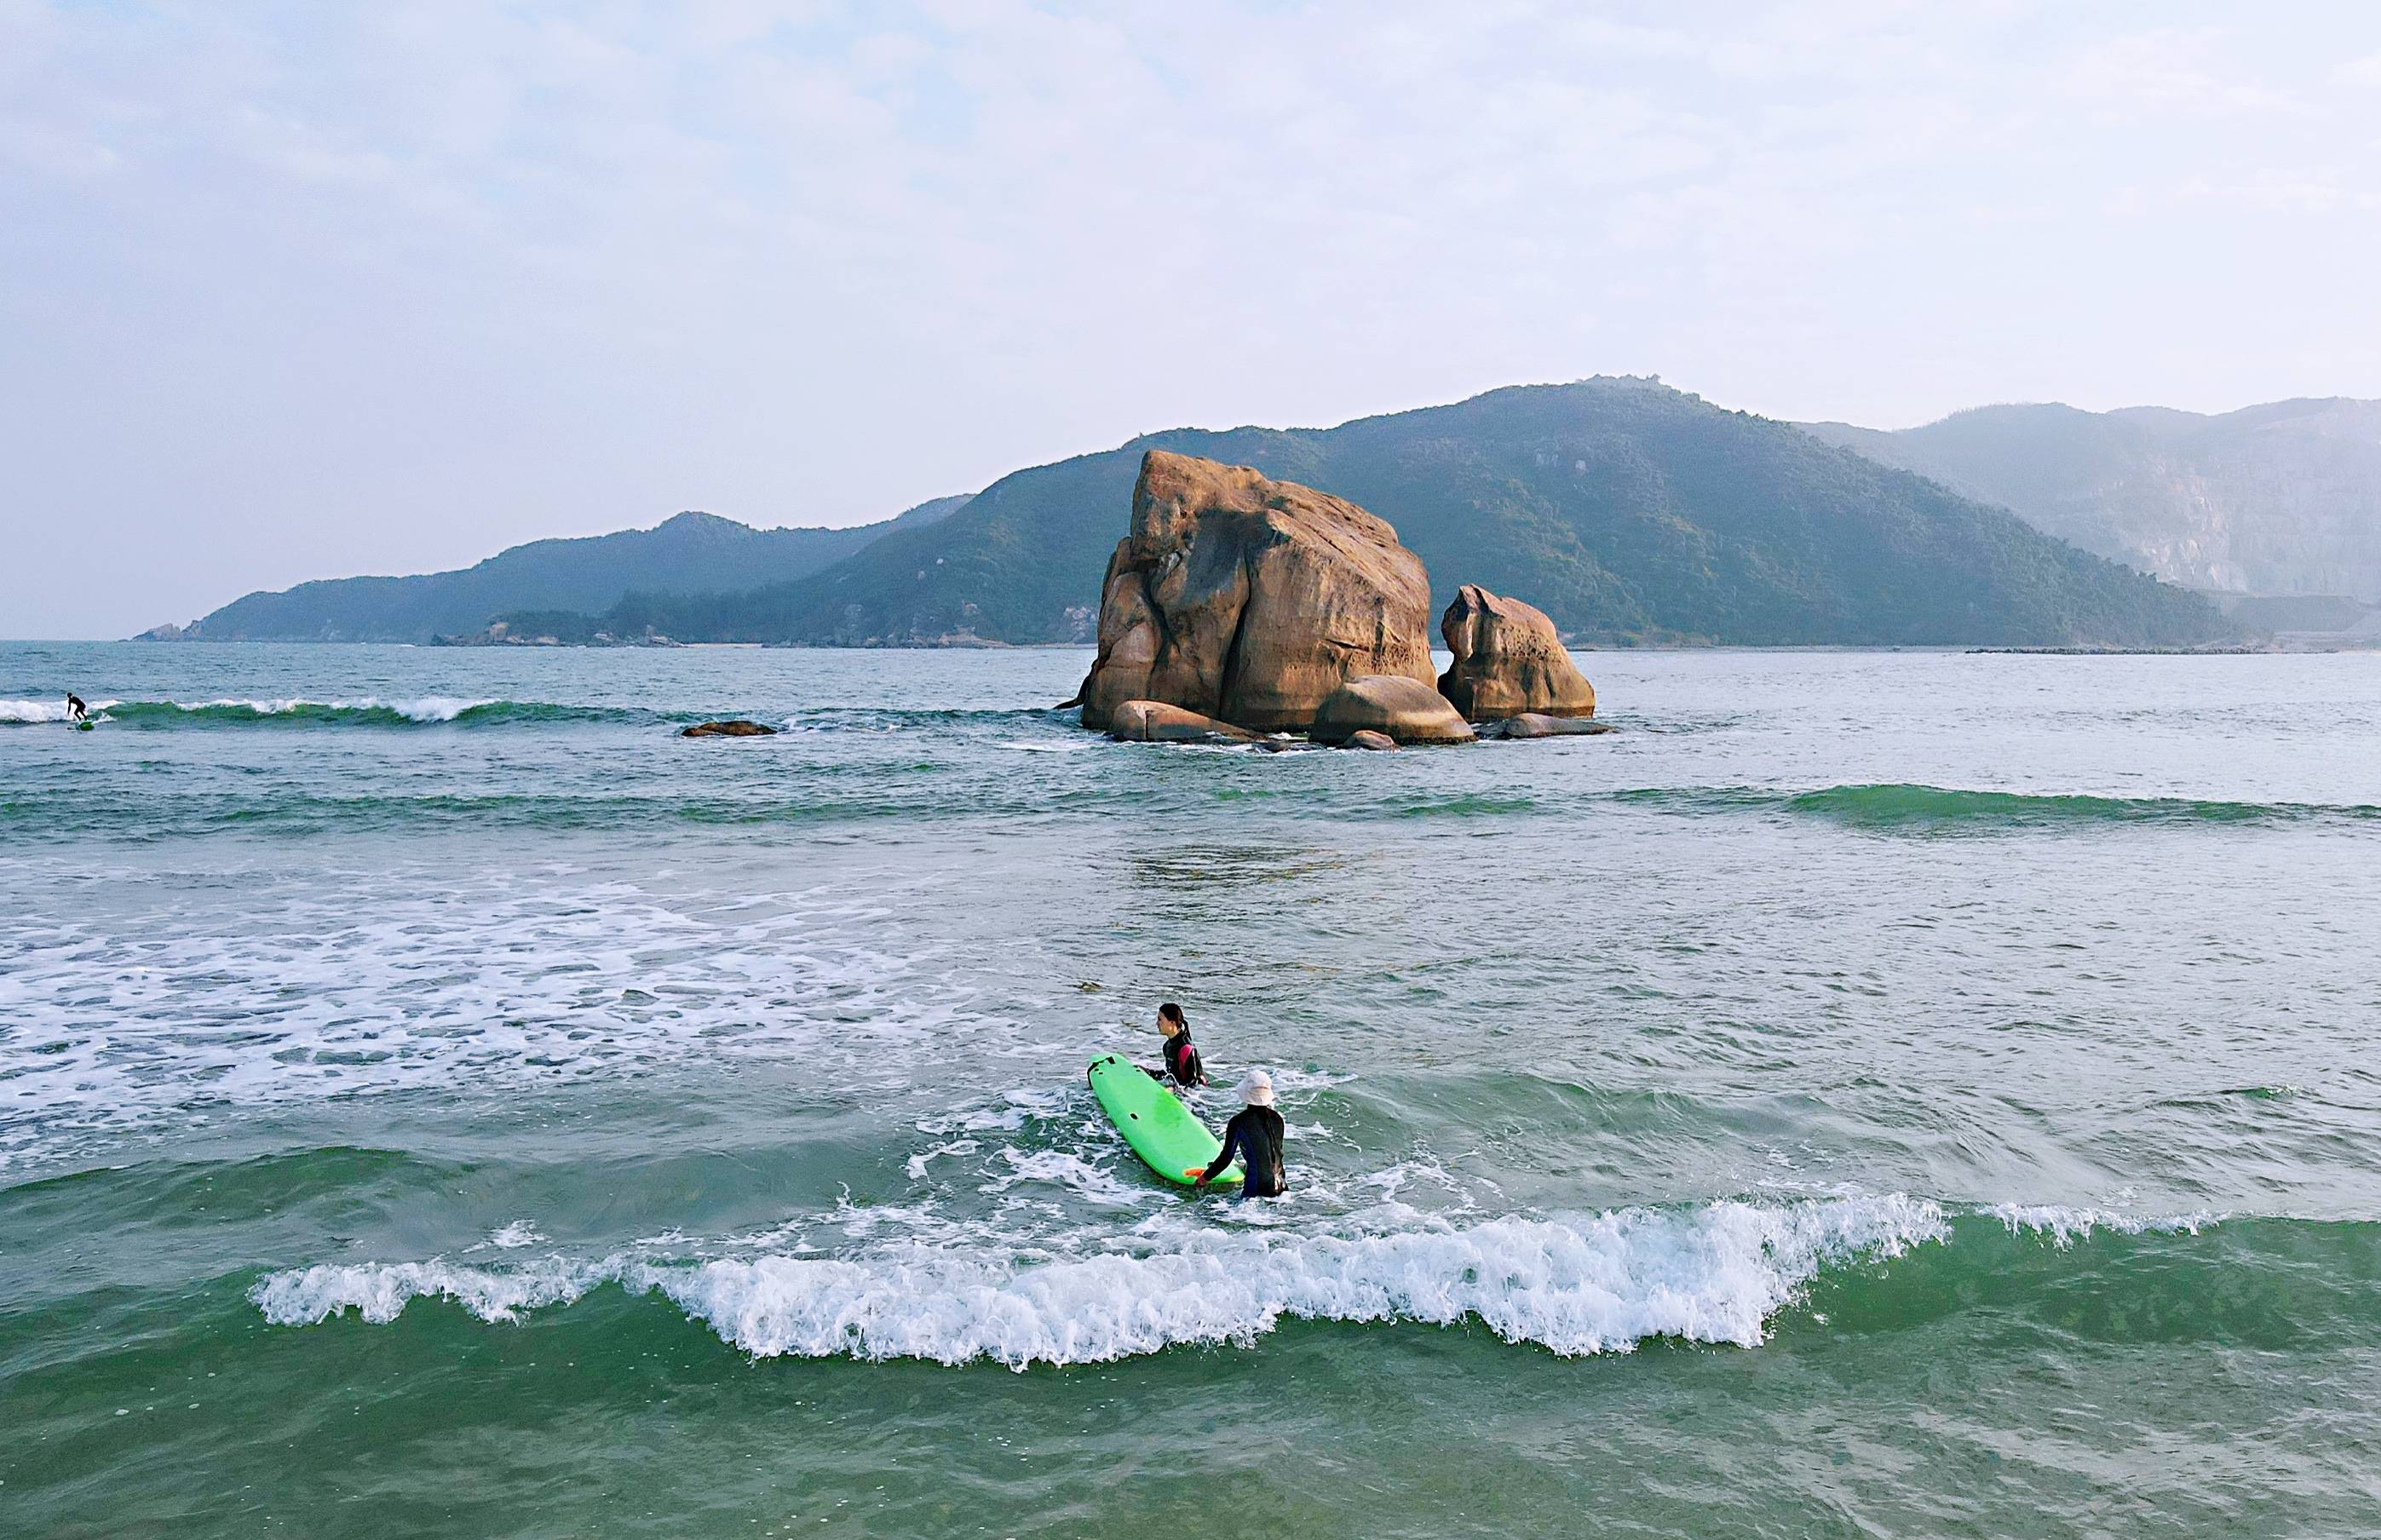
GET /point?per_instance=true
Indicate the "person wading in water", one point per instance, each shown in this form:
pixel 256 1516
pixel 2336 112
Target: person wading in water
pixel 1253 1137
pixel 1182 1060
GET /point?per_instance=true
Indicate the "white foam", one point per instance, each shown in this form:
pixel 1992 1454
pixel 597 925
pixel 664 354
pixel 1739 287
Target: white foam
pixel 1589 1285
pixel 1020 1103
pixel 427 708
pixel 380 1291
pixel 31 712
pixel 281 707
pixel 2064 1226
pixel 916 1165
pixel 512 1236
pixel 290 991
pixel 1072 1172
pixel 438 708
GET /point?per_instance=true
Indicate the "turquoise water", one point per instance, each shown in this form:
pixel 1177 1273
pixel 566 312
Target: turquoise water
pixel 1870 1093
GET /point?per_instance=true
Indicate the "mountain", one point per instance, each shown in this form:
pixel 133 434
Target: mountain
pixel 2279 499
pixel 1627 510
pixel 691 552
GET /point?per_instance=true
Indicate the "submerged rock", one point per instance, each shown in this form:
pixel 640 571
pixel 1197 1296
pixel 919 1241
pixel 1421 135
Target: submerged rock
pixel 1156 722
pixel 1509 660
pixel 1393 705
pixel 1534 724
pixel 1250 600
pixel 735 727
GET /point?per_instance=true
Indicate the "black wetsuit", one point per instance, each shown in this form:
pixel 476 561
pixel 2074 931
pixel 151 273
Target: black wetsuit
pixel 76 710
pixel 1254 1136
pixel 1181 1061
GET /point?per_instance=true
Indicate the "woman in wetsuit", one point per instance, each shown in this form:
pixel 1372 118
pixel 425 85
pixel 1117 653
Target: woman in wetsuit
pixel 1181 1059
pixel 1253 1138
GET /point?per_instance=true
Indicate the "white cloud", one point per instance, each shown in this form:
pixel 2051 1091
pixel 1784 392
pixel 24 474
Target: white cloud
pixel 310 290
pixel 2168 72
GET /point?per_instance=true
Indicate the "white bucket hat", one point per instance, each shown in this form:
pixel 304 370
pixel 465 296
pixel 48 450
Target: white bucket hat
pixel 1257 1090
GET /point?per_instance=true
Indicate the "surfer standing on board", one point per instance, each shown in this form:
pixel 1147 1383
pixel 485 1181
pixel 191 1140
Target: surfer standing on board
pixel 76 710
pixel 1181 1060
pixel 1253 1137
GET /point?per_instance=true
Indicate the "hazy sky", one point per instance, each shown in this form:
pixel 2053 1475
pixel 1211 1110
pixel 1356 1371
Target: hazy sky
pixel 294 291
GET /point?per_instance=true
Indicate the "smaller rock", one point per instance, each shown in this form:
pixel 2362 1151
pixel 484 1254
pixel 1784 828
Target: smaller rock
pixel 735 726
pixel 1365 737
pixel 1509 660
pixel 1156 722
pixel 1393 705
pixel 1537 723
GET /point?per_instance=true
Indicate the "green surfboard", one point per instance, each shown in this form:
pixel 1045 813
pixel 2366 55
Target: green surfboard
pixel 1155 1122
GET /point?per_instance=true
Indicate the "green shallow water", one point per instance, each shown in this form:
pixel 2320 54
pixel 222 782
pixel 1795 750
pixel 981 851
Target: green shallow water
pixel 1868 1094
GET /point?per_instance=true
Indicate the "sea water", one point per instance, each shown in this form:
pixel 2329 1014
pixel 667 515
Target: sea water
pixel 1865 1094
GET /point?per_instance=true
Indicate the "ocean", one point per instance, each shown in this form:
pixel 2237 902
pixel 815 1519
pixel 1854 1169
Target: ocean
pixel 1868 1093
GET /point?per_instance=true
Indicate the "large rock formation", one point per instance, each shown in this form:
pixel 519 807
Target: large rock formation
pixel 1509 660
pixel 1250 600
pixel 1391 704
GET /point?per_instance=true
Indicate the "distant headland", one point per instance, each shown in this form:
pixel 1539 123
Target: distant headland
pixel 1630 512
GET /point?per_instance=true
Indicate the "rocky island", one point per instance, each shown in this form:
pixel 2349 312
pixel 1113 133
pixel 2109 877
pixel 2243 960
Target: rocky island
pixel 1238 605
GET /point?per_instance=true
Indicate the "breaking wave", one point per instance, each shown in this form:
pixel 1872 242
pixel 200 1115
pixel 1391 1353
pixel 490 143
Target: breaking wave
pixel 1720 1273
pixel 365 712
pixel 35 713
pixel 1716 1273
pixel 370 711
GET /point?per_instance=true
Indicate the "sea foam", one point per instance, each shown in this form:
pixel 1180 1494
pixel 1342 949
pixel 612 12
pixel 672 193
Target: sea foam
pixel 359 711
pixel 425 709
pixel 391 982
pixel 2063 1226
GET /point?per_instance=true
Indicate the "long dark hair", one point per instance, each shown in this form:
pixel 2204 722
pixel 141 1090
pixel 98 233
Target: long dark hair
pixel 1169 1011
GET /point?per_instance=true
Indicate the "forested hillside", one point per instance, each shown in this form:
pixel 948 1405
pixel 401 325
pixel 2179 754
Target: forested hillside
pixel 1629 511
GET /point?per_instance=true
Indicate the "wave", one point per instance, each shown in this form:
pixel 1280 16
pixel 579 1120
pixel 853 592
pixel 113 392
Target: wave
pixel 446 709
pixel 304 813
pixel 2063 1226
pixel 868 791
pixel 1722 1273
pixel 37 712
pixel 1471 805
pixel 365 712
pixel 1716 1273
pixel 1917 808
